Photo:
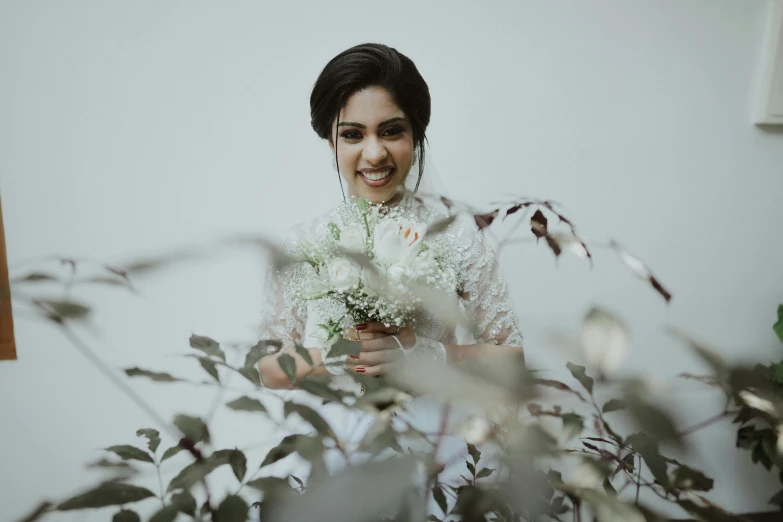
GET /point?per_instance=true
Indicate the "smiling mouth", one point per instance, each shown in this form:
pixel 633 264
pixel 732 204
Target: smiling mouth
pixel 377 176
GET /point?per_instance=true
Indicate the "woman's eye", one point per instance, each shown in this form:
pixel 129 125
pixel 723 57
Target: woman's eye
pixel 394 131
pixel 351 135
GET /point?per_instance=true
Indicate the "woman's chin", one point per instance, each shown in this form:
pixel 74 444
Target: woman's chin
pixel 378 195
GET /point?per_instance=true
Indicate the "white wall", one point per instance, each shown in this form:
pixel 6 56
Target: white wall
pixel 131 128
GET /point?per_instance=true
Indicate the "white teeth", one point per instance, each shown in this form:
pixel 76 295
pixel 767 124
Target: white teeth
pixel 376 176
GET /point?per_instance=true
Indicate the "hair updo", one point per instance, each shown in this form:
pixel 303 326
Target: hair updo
pixel 368 65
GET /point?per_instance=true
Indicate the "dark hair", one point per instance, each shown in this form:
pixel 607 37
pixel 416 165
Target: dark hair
pixel 367 65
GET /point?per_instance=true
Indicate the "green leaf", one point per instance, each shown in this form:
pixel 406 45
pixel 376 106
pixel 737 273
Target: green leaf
pixel 707 512
pixel 247 404
pixel 193 428
pixel 106 463
pixel 125 515
pixel 261 349
pixel 319 389
pixel 777 372
pixel 580 374
pixel 196 471
pixel 61 310
pixel 126 452
pixel 335 230
pixel 315 419
pixel 690 479
pixel 209 367
pixel 485 473
pixel 166 514
pixel 614 405
pixel 344 347
pixel 171 452
pixel 40 510
pixel 238 463
pixel 439 226
pixel 653 420
pixel 155 376
pixel 288 365
pixel 630 463
pixel 185 502
pixel 153 437
pixel 269 484
pixel 440 498
pixel 471 467
pixel 647 447
pixel 301 350
pixel 281 451
pixel 207 345
pixel 572 425
pixel 608 487
pixel 106 494
pixel 251 374
pixel 705 353
pixel 232 509
pixel 777 499
pixel 298 480
pixel 34 277
pixel 466 496
pixel 778 327
pixel 475 454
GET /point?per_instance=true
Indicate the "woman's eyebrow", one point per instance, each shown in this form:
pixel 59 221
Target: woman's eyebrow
pixel 381 124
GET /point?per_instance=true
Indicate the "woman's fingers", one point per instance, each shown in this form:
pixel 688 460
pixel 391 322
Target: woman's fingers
pixel 376 327
pixel 358 335
pixel 378 369
pixel 376 357
pixel 379 340
pixel 385 342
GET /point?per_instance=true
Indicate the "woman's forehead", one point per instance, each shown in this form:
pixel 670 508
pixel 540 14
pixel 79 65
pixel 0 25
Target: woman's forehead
pixel 370 106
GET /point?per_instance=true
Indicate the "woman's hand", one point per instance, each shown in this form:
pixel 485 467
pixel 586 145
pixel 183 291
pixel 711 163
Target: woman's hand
pixel 379 350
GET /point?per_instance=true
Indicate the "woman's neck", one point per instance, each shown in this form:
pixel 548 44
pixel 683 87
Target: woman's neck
pixel 393 201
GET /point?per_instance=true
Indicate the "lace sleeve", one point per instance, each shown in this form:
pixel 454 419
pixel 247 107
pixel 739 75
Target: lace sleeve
pixel 283 317
pixel 484 291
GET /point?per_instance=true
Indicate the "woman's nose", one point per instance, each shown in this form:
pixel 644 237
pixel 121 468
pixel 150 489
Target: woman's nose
pixel 374 151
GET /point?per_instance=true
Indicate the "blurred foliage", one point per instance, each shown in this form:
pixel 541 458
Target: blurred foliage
pixel 535 449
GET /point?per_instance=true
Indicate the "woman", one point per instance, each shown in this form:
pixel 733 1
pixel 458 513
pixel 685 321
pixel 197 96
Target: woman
pixel 373 107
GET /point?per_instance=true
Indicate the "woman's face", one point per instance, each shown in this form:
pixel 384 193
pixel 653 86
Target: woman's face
pixel 374 145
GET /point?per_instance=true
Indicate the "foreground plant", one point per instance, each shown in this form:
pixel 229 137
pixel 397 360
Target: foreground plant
pixel 556 452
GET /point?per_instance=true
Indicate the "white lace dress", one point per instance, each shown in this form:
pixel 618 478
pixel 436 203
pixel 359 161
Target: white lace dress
pixel 481 289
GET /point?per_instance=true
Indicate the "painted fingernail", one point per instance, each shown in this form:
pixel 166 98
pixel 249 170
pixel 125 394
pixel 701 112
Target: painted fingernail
pixel 362 326
pixel 360 370
pixel 353 356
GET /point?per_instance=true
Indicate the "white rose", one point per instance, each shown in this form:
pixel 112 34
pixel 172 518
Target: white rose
pixel 352 238
pixel 372 281
pixel 344 275
pixel 398 273
pixel 314 288
pixel 424 264
pixel 397 242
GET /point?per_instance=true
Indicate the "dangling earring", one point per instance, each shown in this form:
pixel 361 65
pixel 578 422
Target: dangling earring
pixel 415 158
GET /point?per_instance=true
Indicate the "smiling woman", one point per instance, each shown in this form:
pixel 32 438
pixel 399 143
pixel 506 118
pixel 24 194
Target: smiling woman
pixel 372 106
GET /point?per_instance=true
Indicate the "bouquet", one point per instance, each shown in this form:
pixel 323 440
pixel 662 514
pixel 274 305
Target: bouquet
pixel 368 264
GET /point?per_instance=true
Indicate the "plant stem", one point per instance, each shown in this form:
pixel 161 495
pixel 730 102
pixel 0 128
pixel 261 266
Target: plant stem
pixel 121 385
pixel 639 478
pixel 160 482
pixel 706 422
pixel 444 422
